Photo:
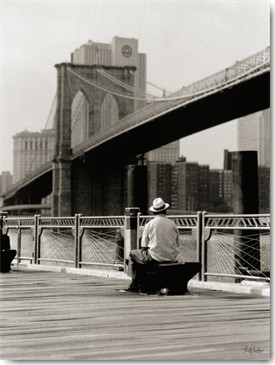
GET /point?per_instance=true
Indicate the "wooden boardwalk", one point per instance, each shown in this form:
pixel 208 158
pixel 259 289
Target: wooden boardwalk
pixel 59 316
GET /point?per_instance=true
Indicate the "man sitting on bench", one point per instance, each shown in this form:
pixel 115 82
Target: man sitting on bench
pixel 160 243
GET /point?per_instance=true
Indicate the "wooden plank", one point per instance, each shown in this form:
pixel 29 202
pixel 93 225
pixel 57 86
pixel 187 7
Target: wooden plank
pixel 58 316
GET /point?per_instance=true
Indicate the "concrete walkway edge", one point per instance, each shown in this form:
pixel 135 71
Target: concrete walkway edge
pixel 246 287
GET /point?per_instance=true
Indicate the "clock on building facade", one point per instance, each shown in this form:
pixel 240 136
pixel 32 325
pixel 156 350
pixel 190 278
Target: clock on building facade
pixel 126 51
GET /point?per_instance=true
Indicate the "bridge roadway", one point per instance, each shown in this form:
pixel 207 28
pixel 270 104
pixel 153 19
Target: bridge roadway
pixel 61 316
pixel 239 90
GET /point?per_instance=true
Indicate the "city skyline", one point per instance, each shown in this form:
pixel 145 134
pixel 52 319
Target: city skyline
pixel 28 58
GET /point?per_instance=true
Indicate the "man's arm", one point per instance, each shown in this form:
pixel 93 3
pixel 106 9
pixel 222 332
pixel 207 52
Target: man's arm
pixel 145 238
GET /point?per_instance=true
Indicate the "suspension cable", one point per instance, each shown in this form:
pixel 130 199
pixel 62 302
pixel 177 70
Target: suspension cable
pixel 124 85
pixel 179 97
pixel 150 83
pixel 102 88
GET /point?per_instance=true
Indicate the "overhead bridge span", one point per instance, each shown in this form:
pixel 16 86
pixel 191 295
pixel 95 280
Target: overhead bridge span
pixel 90 177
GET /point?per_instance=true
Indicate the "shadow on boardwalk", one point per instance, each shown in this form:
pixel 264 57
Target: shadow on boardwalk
pixel 60 316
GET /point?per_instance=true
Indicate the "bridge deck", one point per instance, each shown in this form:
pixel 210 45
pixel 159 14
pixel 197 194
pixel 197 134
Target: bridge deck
pixel 58 316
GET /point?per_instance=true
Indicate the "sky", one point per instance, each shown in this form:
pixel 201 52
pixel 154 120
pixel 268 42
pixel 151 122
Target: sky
pixel 185 41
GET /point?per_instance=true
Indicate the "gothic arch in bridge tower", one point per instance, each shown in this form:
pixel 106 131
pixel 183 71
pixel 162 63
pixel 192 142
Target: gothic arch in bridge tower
pixel 91 96
pixel 87 86
pixel 80 114
pixel 109 111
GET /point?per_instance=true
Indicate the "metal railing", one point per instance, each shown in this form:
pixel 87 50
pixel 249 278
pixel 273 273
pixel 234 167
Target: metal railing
pixel 246 241
pixel 211 239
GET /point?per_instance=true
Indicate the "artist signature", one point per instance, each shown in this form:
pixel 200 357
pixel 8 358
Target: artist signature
pixel 252 349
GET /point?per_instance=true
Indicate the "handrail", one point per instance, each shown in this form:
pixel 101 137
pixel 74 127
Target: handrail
pixel 244 221
pixel 213 221
pixel 201 225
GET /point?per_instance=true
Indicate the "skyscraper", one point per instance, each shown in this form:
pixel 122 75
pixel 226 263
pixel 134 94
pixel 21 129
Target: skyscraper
pixel 168 153
pixel 5 181
pixel 190 186
pixel 254 134
pixel 221 182
pixel 204 187
pixel 160 181
pixel 30 151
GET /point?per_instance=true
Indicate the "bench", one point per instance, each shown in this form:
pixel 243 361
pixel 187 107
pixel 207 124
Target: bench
pixel 167 278
pixel 6 254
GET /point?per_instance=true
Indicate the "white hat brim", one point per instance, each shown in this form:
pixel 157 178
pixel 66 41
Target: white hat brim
pixel 152 209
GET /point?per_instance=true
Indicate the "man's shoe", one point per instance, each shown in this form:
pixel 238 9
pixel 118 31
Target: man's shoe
pixel 151 292
pixel 132 289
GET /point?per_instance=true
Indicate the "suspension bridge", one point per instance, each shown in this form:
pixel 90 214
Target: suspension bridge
pixel 107 149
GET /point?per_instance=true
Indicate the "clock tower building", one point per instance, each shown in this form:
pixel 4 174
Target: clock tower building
pixel 124 52
pixel 120 52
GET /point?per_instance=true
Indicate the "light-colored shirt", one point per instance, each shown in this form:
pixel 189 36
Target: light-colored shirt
pixel 162 237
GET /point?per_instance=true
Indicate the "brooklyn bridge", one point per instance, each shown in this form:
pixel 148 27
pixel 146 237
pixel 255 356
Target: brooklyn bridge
pixel 88 171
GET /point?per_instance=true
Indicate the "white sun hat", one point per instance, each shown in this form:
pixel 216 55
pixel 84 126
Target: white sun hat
pixel 158 205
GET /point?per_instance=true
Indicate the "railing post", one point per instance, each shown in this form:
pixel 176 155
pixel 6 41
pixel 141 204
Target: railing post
pixel 139 232
pixel 199 241
pixel 77 248
pixel 246 201
pixel 130 232
pixel 203 248
pixel 19 236
pixel 80 234
pixel 36 239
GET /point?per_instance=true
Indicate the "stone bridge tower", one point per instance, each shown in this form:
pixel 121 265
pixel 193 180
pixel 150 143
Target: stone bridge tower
pixel 97 91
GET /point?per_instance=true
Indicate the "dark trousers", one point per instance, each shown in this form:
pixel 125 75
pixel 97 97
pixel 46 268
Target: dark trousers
pixel 138 257
pixel 6 258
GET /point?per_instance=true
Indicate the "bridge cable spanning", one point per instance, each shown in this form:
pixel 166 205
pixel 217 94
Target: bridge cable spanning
pixel 151 84
pixel 225 255
pixel 103 88
pixel 101 247
pixel 124 85
pixel 220 79
pixel 55 245
pixel 180 97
